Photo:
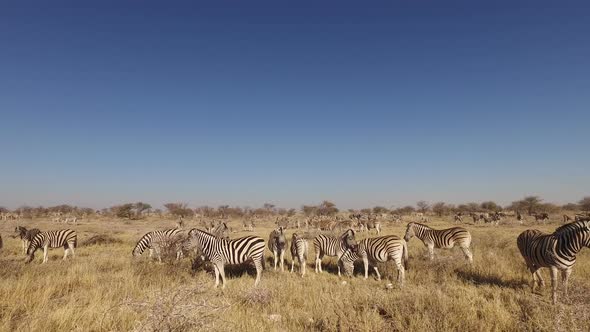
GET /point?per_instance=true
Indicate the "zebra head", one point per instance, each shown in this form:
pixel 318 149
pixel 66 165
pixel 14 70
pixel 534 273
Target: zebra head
pixel 409 232
pixel 20 231
pixel 349 240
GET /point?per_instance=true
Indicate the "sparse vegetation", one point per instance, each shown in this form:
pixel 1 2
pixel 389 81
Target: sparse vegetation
pixel 105 289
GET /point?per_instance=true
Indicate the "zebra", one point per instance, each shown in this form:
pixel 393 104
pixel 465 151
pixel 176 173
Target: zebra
pixel 221 231
pixel 65 238
pixel 541 216
pixel 26 235
pixel 158 240
pixel 567 218
pixel 277 244
pixel 581 217
pixel 458 219
pixel 440 238
pixel 374 224
pixel 332 246
pixel 236 251
pixel 378 249
pixel 556 251
pixel 299 248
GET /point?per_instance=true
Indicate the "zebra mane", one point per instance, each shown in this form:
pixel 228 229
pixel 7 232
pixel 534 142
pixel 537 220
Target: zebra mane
pixel 207 234
pixel 573 227
pixel 419 224
pixel 345 234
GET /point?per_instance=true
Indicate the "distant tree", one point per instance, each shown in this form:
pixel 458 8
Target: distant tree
pixel 380 209
pixel 222 211
pixel 570 207
pixel 124 211
pixel 291 212
pixel 309 210
pixel 490 206
pixel 3 209
pixel 327 208
pixel 530 204
pixel 366 211
pixel 408 209
pixel 179 209
pixel 422 206
pixel 269 207
pixel 548 208
pixel 441 209
pixel 584 203
pixel 140 208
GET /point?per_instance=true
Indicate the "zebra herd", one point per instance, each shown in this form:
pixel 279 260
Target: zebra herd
pixel 556 251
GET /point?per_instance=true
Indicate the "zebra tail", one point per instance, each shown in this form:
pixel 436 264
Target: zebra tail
pixel 405 253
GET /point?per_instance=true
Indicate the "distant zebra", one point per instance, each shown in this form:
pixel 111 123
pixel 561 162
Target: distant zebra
pixel 556 251
pixel 566 218
pixel 65 238
pixel 458 218
pixel 541 216
pixel 374 224
pixel 379 249
pixel 299 248
pixel 443 238
pixel 237 251
pixel 332 246
pixel 277 244
pixel 26 235
pixel 582 217
pixel 221 231
pixel 157 240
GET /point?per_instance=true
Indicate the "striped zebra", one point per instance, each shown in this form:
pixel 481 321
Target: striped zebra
pixel 65 238
pixel 440 238
pixel 299 249
pixel 277 244
pixel 378 249
pixel 556 251
pixel 158 240
pixel 221 251
pixel 221 231
pixel 26 235
pixel 332 246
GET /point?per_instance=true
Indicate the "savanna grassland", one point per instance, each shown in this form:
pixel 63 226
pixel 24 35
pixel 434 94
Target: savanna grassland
pixel 105 289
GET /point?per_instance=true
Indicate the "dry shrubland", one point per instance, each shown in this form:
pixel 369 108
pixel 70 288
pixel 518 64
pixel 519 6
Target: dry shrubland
pixel 105 289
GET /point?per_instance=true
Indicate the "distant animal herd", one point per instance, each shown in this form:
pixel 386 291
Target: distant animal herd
pixel 556 251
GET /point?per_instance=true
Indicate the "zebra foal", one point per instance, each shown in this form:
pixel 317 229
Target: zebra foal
pixel 556 251
pixel 221 251
pixel 299 249
pixel 65 238
pixel 277 244
pixel 440 238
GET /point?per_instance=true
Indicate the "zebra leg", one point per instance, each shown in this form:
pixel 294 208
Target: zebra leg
pixel 401 273
pixel 216 269
pixel 554 284
pixel 45 252
pixel 275 254
pixel 318 263
pixel 293 264
pixel 282 261
pixel 259 268
pixel 565 274
pixel 431 251
pixel 66 250
pixel 377 272
pixel 151 250
pixel 302 264
pixel 366 264
pixel 468 254
pixel 71 246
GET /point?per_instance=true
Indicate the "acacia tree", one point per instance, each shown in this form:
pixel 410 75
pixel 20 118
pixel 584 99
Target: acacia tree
pixel 179 209
pixel 309 210
pixel 422 206
pixel 140 207
pixel 441 209
pixel 490 206
pixel 327 208
pixel 530 204
pixel 584 203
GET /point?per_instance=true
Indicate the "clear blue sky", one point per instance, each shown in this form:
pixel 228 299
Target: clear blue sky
pixel 293 102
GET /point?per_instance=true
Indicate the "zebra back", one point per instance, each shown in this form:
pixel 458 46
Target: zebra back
pixel 557 249
pixel 277 240
pixel 380 249
pixel 298 247
pixel 53 239
pixel 234 251
pixel 335 246
pixel 441 238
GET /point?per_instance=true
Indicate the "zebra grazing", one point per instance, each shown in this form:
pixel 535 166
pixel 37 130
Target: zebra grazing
pixel 332 246
pixel 556 251
pixel 378 249
pixel 299 249
pixel 237 251
pixel 26 235
pixel 277 244
pixel 65 238
pixel 440 238
pixel 158 240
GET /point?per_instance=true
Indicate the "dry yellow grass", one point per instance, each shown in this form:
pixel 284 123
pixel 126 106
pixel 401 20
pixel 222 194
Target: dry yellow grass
pixel 104 289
